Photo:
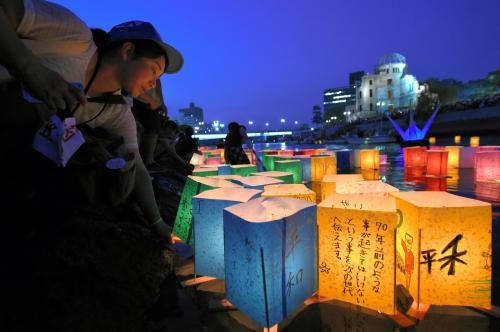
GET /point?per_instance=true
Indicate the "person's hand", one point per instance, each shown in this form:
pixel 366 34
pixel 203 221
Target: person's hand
pixel 50 87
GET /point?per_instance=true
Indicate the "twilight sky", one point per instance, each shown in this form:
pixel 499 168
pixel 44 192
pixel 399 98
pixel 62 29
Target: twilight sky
pixel 267 59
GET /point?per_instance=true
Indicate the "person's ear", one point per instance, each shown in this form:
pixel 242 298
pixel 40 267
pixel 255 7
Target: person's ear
pixel 127 51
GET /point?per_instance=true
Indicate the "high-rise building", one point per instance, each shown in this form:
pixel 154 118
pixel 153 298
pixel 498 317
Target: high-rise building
pixel 192 116
pixel 390 88
pixel 355 77
pixel 335 101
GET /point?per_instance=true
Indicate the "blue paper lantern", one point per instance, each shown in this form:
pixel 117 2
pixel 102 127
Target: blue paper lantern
pixel 256 181
pixel 208 227
pixel 270 252
pixel 344 159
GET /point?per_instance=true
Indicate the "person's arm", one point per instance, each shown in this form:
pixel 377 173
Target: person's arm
pixel 42 82
pixel 144 194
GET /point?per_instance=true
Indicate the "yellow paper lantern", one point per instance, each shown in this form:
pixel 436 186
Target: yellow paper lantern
pixel 457 139
pixel 474 141
pixel 370 159
pixel 432 140
pixel 370 174
pixel 329 183
pixel 298 191
pixel 453 156
pixel 356 260
pixel 321 166
pixel 443 247
pixel 365 187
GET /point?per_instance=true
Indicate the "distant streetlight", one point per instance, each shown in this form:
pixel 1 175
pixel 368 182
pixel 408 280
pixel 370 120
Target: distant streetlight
pixel 282 120
pixel 296 122
pixel 267 124
pixel 250 122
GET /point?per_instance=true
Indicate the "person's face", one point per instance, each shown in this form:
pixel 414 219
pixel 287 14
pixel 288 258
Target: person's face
pixel 139 74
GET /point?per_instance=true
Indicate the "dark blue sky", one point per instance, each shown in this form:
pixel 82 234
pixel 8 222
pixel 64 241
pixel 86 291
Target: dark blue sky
pixel 263 60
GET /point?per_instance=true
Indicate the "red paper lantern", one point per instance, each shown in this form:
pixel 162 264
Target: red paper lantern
pixel 415 156
pixel 437 162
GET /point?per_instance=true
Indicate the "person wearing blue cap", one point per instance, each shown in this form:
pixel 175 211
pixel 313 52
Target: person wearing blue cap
pixel 48 51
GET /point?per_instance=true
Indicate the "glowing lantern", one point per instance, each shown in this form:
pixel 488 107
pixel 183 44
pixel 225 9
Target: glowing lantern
pixel 316 187
pixel 474 141
pixel 212 161
pixel 305 165
pixel 183 226
pixel 488 166
pixel 436 184
pixel 286 177
pixel 414 156
pixel 467 155
pixel 298 191
pixel 343 159
pixel 197 159
pixel 453 156
pixel 370 174
pixel 256 181
pixel 285 153
pixel 292 166
pixel 221 152
pixel 209 227
pixel 383 159
pixel 487 190
pixel 488 148
pixel 251 156
pixel 437 162
pixel 443 248
pixel 205 171
pixel 356 158
pixel 356 250
pixel 457 139
pixel 307 152
pixel 268 161
pixel 224 169
pixel 414 174
pixel 321 166
pixel 243 170
pixel 370 159
pixel 432 140
pixel 437 147
pixel 270 256
pixel 365 187
pixel 329 183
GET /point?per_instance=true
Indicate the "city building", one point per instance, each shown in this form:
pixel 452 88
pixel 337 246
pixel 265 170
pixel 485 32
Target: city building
pixel 337 102
pixel 390 88
pixel 355 77
pixel 192 116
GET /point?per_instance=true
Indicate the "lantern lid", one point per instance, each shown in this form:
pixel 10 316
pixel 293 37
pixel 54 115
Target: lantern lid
pixel 266 209
pixel 286 189
pixel 365 202
pixel 217 183
pixel 286 161
pixel 437 199
pixel 257 180
pixel 273 173
pixel 229 194
pixel 375 186
pixel 226 177
pixel 342 177
pixel 242 166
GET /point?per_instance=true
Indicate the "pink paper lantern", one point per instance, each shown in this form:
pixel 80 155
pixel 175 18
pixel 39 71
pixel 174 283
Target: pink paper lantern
pixel 213 161
pixel 437 162
pixel 415 156
pixel 383 159
pixel 488 148
pixel 488 166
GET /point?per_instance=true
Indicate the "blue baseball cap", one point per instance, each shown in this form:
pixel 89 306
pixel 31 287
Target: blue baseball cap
pixel 144 30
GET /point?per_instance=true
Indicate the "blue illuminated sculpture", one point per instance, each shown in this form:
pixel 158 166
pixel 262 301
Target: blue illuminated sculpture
pixel 270 257
pixel 413 133
pixel 208 227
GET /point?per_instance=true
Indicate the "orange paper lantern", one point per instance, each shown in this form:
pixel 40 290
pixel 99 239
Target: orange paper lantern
pixel 453 156
pixel 437 162
pixel 369 159
pixel 457 139
pixel 474 141
pixel 432 140
pixel 414 156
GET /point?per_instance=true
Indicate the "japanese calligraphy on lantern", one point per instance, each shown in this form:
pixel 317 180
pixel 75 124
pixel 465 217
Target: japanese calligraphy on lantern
pixel 453 264
pixel 356 250
pixel 298 191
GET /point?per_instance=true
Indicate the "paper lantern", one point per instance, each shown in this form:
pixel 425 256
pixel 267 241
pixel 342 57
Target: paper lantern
pixel 270 256
pixel 197 159
pixel 212 161
pixel 437 162
pixel 370 159
pixel 316 187
pixel 251 157
pixel 183 225
pixel 329 183
pixel 457 139
pixel 205 171
pixel 305 165
pixel 286 177
pixel 435 184
pixel 488 166
pixel 453 156
pixel 268 161
pixel 432 140
pixel 243 170
pixel 224 169
pixel 306 152
pixel 321 166
pixel 414 172
pixel 452 178
pixel 383 160
pixel 209 227
pixel 485 148
pixel 487 190
pixel 474 141
pixel 414 156
pixel 343 159
pixel 356 158
pixel 467 155
pixel 443 247
pixel 356 260
pixel 370 174
pixel 437 147
pixel 256 181
pixel 292 166
pixel 298 191
pixel 365 187
pixel 285 153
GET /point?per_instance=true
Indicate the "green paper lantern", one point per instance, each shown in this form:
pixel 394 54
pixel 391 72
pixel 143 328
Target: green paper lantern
pixel 243 170
pixel 293 166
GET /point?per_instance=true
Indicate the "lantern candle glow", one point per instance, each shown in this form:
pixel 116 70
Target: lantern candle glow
pixel 474 141
pixel 453 156
pixel 437 163
pixel 414 156
pixel 321 166
pixel 369 159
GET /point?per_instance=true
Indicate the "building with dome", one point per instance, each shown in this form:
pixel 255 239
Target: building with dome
pixel 390 88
